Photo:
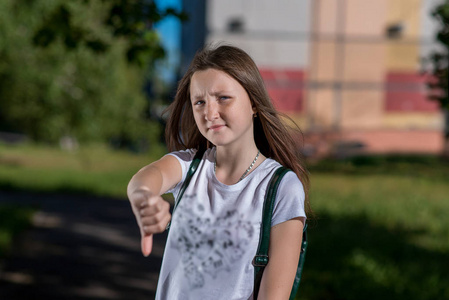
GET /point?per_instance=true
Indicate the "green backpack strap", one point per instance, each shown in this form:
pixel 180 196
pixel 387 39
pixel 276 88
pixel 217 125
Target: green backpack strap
pixel 302 259
pixel 192 169
pixel 261 259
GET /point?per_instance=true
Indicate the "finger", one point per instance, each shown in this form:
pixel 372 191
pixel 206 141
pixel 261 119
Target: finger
pixel 153 219
pixel 139 198
pixel 156 227
pixel 138 202
pixel 147 244
pixel 161 206
pixel 155 201
pixel 143 203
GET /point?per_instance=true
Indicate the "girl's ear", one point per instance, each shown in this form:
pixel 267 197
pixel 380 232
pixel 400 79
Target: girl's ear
pixel 254 109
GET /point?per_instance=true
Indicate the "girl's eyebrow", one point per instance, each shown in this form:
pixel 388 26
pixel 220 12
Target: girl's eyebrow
pixel 197 96
pixel 219 92
pixel 215 93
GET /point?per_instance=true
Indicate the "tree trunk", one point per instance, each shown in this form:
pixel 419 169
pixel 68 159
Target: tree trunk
pixel 446 134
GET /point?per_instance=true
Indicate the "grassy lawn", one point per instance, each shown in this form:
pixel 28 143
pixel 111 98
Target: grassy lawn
pixel 94 170
pixel 381 229
pixel 381 232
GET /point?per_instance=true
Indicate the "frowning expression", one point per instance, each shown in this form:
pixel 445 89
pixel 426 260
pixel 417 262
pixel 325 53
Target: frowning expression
pixel 222 109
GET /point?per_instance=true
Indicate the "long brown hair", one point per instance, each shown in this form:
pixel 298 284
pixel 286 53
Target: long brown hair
pixel 273 138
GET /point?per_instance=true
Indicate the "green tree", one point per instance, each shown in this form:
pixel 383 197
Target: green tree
pixel 128 19
pixel 440 62
pixel 76 68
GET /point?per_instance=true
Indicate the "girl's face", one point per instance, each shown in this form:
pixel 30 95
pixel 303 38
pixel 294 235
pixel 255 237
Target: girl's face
pixel 222 108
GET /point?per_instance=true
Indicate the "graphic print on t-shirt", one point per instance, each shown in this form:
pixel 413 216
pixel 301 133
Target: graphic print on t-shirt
pixel 209 246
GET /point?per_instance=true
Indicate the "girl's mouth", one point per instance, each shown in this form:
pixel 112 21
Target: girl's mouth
pixel 216 127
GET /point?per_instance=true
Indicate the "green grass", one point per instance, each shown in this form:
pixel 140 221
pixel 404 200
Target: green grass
pixel 94 170
pixel 381 231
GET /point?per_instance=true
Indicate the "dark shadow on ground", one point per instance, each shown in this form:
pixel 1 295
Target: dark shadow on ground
pixel 352 258
pixel 81 247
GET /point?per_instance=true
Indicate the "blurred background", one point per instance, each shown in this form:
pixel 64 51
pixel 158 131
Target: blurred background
pixel 83 84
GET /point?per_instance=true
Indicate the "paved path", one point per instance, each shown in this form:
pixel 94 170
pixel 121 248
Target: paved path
pixel 80 247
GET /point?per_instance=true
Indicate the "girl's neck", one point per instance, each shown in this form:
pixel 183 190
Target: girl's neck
pixel 233 162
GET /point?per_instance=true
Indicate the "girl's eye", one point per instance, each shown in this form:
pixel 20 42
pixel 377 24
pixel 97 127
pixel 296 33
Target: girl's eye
pixel 199 102
pixel 223 97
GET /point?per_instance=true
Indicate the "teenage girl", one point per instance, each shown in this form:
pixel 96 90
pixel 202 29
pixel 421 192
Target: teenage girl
pixel 222 105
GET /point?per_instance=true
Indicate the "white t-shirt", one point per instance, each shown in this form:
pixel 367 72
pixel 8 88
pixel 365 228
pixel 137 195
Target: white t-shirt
pixel 215 229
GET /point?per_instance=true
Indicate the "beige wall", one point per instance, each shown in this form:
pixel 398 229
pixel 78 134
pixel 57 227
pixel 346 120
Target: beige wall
pixel 361 62
pixel 403 53
pixel 352 62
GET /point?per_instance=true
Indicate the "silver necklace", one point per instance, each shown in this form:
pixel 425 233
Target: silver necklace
pixel 247 170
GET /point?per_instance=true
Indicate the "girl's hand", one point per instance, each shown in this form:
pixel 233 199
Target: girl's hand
pixel 152 214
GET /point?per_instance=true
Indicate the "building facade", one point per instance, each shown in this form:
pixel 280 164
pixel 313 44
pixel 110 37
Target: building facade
pixel 349 72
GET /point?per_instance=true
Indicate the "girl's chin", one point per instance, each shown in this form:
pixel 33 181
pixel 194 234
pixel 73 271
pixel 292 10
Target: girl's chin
pixel 218 142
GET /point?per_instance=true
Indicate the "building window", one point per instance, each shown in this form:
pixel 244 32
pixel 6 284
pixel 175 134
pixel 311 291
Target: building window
pixel 236 25
pixel 395 30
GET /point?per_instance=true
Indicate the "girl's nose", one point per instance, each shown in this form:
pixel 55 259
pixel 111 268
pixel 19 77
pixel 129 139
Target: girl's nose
pixel 211 111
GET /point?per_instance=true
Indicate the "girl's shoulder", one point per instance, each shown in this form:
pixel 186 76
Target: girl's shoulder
pixel 188 154
pixel 185 158
pixel 289 181
pixel 185 155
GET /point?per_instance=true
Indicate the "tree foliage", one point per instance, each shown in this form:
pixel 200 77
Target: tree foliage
pixel 128 19
pixel 76 68
pixel 439 85
pixel 439 90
